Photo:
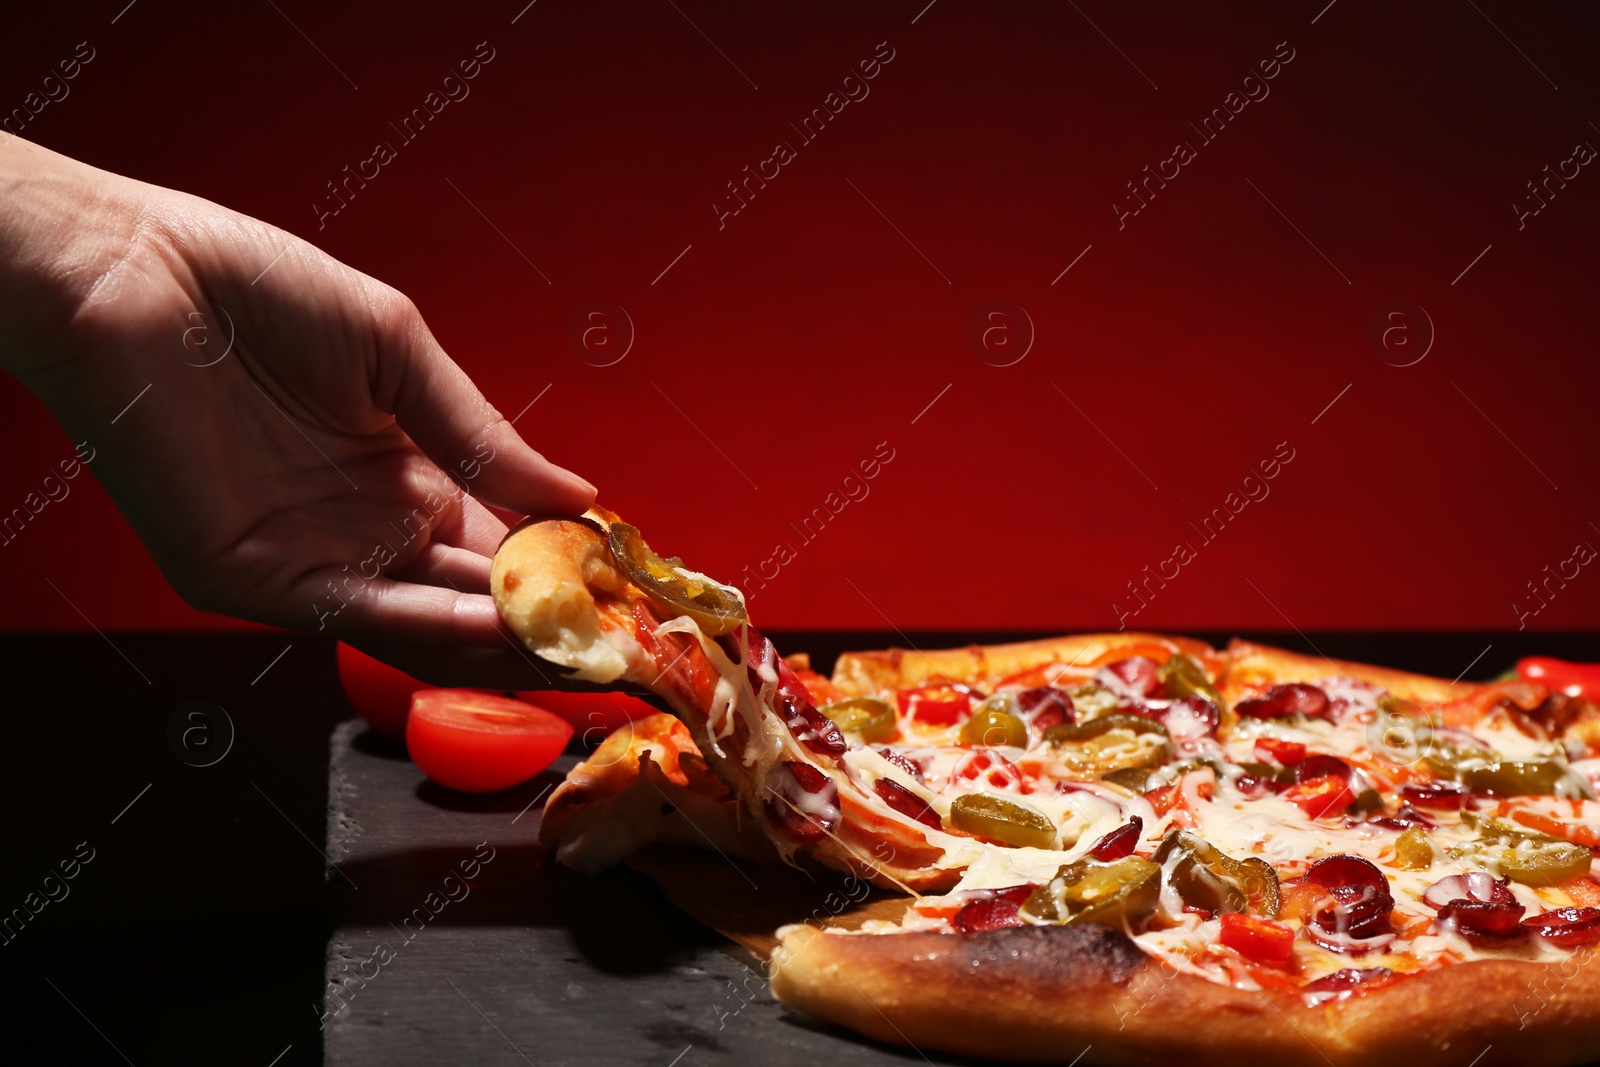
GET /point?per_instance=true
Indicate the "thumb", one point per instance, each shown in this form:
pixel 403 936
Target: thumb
pixel 440 409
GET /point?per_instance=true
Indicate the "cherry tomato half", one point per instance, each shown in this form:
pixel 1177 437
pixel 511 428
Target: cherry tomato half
pixel 1573 679
pixel 381 694
pixel 592 715
pixel 479 743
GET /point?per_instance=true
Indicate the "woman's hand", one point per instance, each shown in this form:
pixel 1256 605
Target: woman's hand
pixel 283 432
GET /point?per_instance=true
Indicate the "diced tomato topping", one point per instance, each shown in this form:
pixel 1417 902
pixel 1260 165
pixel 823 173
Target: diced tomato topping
pixel 907 803
pixel 1284 753
pixel 1321 797
pixel 1577 833
pixel 989 766
pixel 1119 843
pixel 1302 900
pixel 936 705
pixel 1164 798
pixel 822 690
pixel 1255 938
pixel 1583 891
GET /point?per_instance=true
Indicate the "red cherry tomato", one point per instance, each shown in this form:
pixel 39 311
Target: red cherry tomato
pixel 478 742
pixel 381 694
pixel 592 715
pixel 1255 938
pixel 1573 679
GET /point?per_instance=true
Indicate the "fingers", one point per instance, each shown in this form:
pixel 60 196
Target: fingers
pixel 443 565
pixel 386 609
pixel 480 531
pixel 460 554
pixel 444 413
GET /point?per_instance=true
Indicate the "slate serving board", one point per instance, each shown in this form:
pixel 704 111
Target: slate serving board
pixel 530 963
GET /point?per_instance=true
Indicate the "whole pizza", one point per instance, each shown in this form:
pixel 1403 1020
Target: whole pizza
pixel 1102 848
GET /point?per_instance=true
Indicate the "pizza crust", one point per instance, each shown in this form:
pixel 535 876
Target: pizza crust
pixel 544 578
pixel 645 784
pixel 555 585
pixel 860 673
pixel 1250 665
pixel 1039 993
pixel 1049 993
pixel 748 903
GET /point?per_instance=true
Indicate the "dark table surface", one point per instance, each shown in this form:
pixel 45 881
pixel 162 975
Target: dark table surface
pixel 199 930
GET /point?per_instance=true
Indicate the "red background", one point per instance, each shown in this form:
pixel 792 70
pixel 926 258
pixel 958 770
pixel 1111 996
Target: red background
pixel 807 330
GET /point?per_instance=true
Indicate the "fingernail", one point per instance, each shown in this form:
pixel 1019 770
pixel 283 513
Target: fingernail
pixel 583 482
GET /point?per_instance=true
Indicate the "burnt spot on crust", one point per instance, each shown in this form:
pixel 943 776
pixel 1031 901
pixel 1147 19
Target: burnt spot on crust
pixel 511 581
pixel 1055 956
pixel 1028 959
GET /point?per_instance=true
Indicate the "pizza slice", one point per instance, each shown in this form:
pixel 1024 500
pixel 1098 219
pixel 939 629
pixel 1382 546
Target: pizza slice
pixel 590 595
pixel 1126 846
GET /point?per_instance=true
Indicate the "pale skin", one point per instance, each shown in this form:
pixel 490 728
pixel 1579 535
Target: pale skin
pixel 264 482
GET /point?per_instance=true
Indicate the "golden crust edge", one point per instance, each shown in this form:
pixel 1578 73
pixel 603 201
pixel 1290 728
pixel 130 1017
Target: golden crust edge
pixel 543 578
pixel 892 668
pixel 925 989
pixel 1246 658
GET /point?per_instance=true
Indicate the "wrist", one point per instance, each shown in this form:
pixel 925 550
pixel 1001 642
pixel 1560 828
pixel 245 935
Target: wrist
pixel 63 226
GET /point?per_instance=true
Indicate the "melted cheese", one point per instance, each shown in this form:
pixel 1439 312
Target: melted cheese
pixel 1378 746
pixel 1278 831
